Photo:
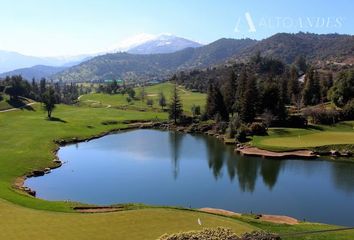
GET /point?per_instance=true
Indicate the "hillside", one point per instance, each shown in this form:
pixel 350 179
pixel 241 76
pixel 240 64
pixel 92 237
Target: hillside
pixel 140 67
pixel 37 72
pixel 315 47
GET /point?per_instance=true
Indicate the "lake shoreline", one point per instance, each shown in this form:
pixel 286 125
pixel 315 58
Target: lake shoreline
pixel 245 150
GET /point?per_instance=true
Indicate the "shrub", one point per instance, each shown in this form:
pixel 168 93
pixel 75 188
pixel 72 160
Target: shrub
pixel 258 129
pixel 241 134
pixel 210 234
pixel 1 97
pixel 348 111
pixel 219 234
pixel 109 122
pixel 129 99
pixel 321 115
pixel 150 102
pixel 195 110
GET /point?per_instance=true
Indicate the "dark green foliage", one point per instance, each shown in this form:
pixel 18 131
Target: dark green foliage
pixel 272 101
pixel 175 110
pixel 195 110
pixel 162 100
pixel 348 110
pixel 301 64
pixel 215 103
pixel 49 101
pixel 109 122
pixel 241 134
pixel 229 92
pixel 149 102
pixel 321 115
pixel 343 88
pixel 258 129
pixel 249 101
pixel 131 93
pixel 293 85
pixel 311 92
pixel 16 86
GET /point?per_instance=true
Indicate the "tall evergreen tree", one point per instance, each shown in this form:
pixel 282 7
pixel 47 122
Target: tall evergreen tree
pixel 311 93
pixel 230 92
pixel 249 101
pixel 293 84
pixel 240 90
pixel 215 103
pixel 175 109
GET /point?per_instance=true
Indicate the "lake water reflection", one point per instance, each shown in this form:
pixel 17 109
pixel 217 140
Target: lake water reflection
pixel 168 168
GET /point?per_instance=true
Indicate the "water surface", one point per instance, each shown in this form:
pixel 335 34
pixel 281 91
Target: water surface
pixel 168 168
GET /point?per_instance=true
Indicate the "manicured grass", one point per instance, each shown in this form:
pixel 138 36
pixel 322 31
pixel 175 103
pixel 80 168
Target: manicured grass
pixel 280 139
pixel 26 142
pixel 284 230
pixel 22 223
pixel 118 100
pixel 6 103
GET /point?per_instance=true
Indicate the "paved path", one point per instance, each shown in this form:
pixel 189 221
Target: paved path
pixel 14 109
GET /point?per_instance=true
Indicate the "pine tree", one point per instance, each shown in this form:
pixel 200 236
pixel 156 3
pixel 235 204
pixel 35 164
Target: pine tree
pixel 230 92
pixel 293 84
pixel 215 103
pixel 162 100
pixel 240 90
pixel 249 101
pixel 175 109
pixel 311 93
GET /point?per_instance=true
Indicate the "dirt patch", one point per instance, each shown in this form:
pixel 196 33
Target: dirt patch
pixel 279 219
pixel 220 211
pixel 253 151
pixel 152 95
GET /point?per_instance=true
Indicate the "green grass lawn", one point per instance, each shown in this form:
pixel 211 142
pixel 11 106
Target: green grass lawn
pixel 26 142
pixel 293 138
pixel 118 100
pixel 6 103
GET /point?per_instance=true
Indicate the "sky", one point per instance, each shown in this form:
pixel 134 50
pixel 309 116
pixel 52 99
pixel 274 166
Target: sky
pixel 73 27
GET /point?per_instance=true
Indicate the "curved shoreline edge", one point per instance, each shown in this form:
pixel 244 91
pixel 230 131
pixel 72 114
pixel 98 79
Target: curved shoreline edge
pixel 246 150
pixel 254 151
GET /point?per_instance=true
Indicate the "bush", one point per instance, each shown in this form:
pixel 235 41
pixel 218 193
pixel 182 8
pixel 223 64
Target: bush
pixel 241 134
pixel 109 122
pixel 150 102
pixel 129 99
pixel 348 111
pixel 195 110
pixel 210 234
pixel 258 129
pixel 219 234
pixel 1 97
pixel 321 115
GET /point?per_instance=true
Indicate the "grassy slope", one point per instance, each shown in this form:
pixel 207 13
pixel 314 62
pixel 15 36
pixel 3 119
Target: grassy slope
pixel 7 104
pixel 118 100
pixel 23 223
pixel 26 140
pixel 292 138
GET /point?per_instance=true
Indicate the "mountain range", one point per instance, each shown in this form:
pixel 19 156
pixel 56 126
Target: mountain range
pixel 160 57
pixel 316 48
pixel 164 43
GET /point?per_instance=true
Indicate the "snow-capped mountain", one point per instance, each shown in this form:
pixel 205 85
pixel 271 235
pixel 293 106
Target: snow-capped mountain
pixel 164 43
